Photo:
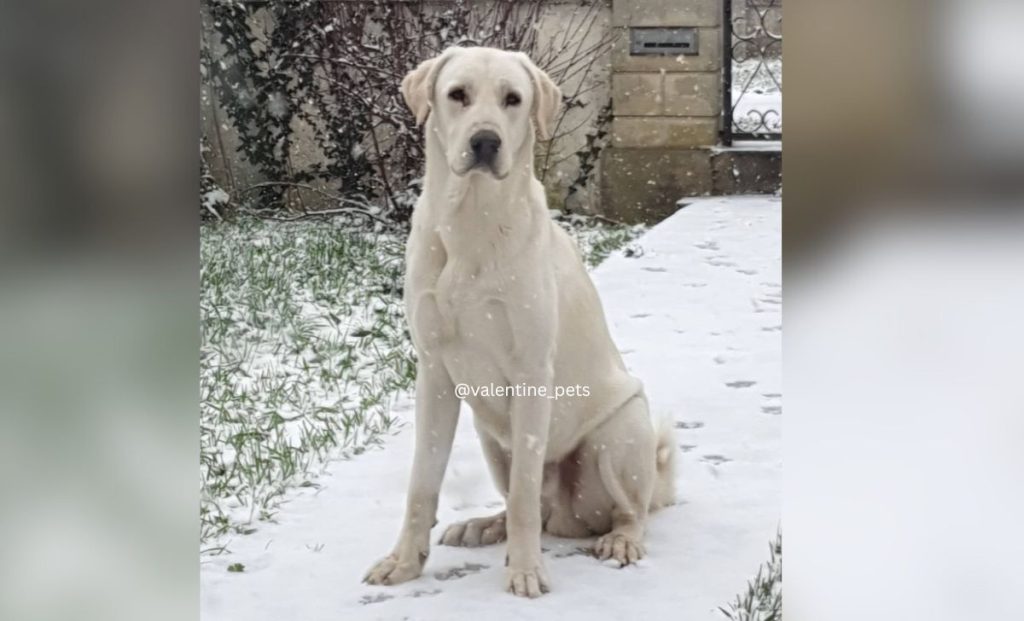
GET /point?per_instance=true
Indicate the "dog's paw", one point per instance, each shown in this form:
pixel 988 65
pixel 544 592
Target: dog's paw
pixel 619 547
pixel 531 582
pixel 476 532
pixel 391 570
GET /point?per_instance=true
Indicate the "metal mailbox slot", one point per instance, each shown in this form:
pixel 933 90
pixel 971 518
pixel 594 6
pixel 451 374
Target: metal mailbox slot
pixel 663 41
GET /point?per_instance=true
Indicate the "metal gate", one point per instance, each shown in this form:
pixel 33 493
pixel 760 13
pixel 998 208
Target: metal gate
pixel 751 70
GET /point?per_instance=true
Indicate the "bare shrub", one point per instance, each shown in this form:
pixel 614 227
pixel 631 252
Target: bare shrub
pixel 336 67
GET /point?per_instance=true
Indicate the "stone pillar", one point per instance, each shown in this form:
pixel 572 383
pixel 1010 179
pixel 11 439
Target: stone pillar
pixel 667 112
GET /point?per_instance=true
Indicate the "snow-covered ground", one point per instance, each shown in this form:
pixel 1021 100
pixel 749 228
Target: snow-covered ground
pixel 698 319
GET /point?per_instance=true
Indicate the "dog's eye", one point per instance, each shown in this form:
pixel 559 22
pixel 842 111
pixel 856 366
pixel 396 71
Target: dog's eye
pixel 512 99
pixel 459 95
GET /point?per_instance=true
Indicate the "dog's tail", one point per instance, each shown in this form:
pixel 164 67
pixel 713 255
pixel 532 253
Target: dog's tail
pixel 665 462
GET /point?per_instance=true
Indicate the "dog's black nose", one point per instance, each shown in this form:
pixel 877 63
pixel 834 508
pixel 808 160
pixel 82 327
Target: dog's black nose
pixel 485 145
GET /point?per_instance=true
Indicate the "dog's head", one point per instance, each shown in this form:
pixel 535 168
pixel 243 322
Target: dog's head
pixel 480 102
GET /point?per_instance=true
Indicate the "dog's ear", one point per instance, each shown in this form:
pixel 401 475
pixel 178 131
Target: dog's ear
pixel 418 85
pixel 417 89
pixel 547 98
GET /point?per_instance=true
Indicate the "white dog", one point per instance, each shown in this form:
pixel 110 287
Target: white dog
pixel 497 294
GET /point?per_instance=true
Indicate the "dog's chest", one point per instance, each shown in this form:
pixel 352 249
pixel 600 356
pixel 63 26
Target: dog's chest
pixel 462 316
pixel 471 302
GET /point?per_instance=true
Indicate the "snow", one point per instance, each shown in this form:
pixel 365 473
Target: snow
pixel 698 318
pixel 749 107
pixel 214 197
pixel 746 146
pixel 757 93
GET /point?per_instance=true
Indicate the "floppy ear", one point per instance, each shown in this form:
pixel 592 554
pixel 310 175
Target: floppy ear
pixel 547 98
pixel 417 91
pixel 418 85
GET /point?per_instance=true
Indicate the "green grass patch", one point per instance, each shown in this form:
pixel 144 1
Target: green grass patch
pixel 762 601
pixel 598 239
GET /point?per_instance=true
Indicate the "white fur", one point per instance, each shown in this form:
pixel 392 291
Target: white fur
pixel 496 293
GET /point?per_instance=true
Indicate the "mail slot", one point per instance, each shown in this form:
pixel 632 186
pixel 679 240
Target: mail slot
pixel 662 41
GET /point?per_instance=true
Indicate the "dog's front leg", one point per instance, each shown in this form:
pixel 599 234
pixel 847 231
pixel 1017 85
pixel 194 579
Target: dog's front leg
pixel 530 417
pixel 437 412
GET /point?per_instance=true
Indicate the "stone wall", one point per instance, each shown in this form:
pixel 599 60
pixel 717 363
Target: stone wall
pixel 563 162
pixel 667 111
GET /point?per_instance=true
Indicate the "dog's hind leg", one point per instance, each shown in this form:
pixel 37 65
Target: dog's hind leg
pixel 562 483
pixel 626 453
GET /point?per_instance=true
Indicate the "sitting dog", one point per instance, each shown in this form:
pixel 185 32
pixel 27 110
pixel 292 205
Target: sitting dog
pixel 498 295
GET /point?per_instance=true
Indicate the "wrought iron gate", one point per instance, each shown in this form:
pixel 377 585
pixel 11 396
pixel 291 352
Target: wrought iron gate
pixel 751 70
